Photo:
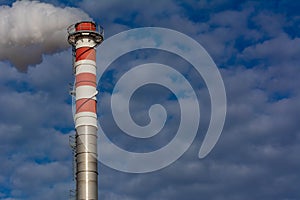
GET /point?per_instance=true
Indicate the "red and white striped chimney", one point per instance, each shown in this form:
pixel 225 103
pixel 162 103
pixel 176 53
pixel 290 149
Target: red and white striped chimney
pixel 84 37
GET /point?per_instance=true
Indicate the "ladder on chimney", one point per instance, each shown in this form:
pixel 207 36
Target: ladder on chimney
pixel 72 143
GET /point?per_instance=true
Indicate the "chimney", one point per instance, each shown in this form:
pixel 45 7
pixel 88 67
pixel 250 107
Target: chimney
pixel 85 37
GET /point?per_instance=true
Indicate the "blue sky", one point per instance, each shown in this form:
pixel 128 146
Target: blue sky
pixel 255 45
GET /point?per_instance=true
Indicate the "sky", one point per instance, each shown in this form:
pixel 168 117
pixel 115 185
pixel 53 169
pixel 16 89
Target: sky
pixel 254 44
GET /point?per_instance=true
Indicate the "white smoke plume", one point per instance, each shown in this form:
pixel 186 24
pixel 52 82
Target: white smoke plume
pixel 29 29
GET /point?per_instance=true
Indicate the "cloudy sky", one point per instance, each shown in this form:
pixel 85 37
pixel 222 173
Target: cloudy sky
pixel 255 45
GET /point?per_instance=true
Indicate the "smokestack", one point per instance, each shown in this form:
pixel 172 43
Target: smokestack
pixel 84 37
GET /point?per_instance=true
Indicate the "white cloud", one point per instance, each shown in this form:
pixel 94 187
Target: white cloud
pixel 30 29
pixel 256 156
